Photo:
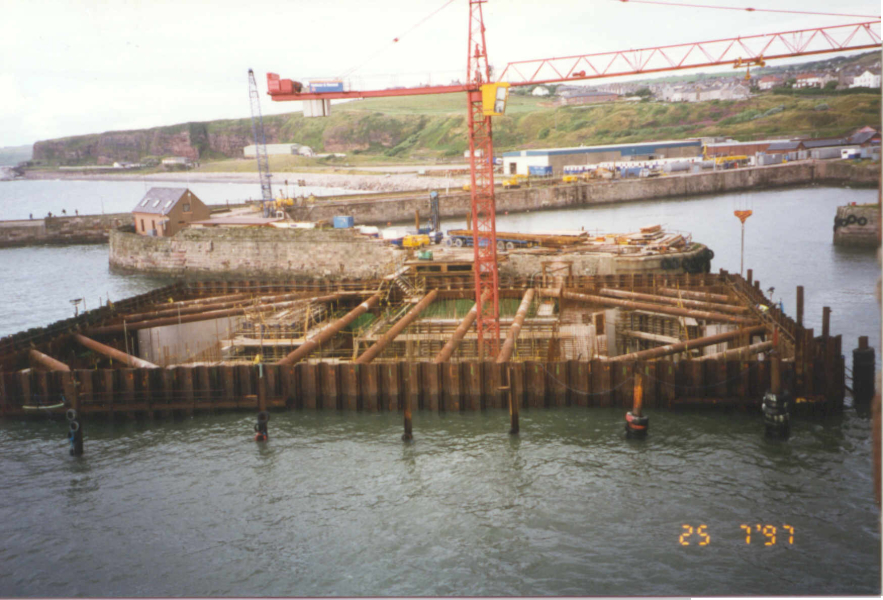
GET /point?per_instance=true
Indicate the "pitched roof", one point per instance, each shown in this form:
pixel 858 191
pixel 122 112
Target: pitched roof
pixel 159 200
pixel 784 146
pixel 862 136
pixel 824 143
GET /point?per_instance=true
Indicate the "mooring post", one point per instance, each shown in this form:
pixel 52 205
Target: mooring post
pixel 749 276
pixel 636 423
pixel 776 405
pixel 800 305
pixel 863 372
pixel 514 426
pixel 75 427
pixel 409 432
pixel 260 428
pixel 826 322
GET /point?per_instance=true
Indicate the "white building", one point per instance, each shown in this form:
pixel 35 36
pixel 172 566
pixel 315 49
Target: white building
pixel 866 79
pixel 540 91
pixel 768 82
pixel 276 149
pixel 805 80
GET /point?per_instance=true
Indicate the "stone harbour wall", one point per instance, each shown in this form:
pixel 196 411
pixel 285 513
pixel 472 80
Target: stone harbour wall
pixel 401 209
pixel 247 253
pixel 84 229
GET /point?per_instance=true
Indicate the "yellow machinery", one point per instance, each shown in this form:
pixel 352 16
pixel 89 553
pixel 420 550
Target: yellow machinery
pixel 725 159
pixel 570 179
pixel 415 241
pixel 512 182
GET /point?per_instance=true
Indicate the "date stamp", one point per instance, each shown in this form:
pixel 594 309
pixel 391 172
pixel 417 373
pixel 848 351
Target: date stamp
pixel 757 534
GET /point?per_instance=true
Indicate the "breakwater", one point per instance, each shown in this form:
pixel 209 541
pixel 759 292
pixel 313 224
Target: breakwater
pixel 402 208
pixel 80 229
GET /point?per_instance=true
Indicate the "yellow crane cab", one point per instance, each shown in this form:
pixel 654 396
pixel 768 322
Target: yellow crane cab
pixel 415 241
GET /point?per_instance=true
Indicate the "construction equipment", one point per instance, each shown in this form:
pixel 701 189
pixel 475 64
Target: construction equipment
pixel 512 182
pixel 486 98
pixel 415 241
pixel 434 214
pixel 569 179
pixel 260 141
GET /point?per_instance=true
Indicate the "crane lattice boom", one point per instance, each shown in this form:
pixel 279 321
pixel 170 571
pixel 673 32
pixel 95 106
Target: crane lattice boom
pixel 260 141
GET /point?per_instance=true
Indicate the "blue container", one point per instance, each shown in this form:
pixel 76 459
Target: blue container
pixel 343 222
pixel 326 86
pixel 535 171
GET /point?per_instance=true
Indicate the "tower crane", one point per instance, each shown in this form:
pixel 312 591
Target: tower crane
pixel 260 141
pixel 487 98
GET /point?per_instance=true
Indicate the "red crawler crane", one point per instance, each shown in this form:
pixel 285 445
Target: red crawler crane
pixel 484 102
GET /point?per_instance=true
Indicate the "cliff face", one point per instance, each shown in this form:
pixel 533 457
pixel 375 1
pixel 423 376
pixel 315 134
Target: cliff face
pixel 132 146
pixel 344 132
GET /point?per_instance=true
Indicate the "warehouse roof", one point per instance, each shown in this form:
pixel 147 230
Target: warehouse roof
pixel 160 200
pixel 638 148
pixel 825 143
pixel 785 146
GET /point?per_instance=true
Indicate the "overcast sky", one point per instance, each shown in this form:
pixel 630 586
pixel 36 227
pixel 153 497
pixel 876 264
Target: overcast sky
pixel 70 67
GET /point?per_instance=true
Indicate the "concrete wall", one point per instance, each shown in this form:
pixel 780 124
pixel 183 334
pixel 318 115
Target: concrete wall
pixel 187 342
pixel 531 264
pixel 86 229
pixel 857 226
pixel 398 210
pixel 248 253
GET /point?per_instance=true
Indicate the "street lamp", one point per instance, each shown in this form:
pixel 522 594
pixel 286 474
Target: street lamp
pixel 743 216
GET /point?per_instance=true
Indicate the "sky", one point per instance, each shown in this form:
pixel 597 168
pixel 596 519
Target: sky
pixel 72 67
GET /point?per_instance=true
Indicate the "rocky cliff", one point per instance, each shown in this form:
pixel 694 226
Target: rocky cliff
pixel 344 132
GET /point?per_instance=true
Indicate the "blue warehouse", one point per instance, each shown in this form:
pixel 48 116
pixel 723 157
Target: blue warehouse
pixel 557 158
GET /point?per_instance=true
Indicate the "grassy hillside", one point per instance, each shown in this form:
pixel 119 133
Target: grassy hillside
pixel 424 128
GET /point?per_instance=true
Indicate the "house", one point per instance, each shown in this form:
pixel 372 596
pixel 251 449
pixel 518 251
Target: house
pixel 540 91
pixel 818 80
pixel 586 97
pixel 163 212
pixel 868 79
pixel 768 82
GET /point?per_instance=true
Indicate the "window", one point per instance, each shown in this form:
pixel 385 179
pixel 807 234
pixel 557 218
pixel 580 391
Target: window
pixel 142 226
pixel 153 224
pixel 187 207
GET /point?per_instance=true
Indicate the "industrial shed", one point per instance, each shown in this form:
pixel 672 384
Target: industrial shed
pixel 519 162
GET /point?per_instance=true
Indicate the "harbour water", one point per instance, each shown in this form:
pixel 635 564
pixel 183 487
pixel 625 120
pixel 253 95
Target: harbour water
pixel 21 198
pixel 335 504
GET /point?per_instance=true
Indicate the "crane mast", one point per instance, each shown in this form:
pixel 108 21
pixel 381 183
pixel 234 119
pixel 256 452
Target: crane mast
pixel 260 141
pixel 481 162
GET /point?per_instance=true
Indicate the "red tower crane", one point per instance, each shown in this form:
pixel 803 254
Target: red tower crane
pixel 487 98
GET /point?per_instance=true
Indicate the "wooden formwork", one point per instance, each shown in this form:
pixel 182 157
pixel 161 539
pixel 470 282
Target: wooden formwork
pixel 813 368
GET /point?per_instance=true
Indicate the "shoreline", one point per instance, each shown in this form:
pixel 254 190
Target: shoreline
pixel 369 182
